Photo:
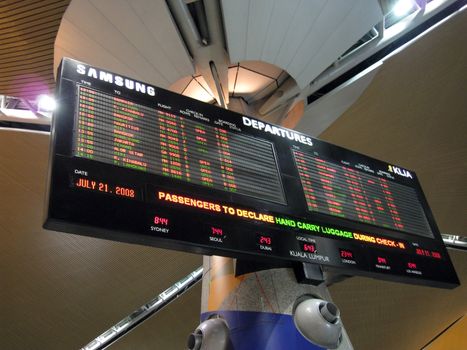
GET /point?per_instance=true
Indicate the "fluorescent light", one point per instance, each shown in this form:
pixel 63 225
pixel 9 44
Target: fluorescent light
pixel 402 7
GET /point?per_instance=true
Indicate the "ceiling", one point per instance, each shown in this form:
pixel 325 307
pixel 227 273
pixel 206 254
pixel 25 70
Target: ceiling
pixel 301 37
pixel 59 291
pixel 27 36
pixel 135 38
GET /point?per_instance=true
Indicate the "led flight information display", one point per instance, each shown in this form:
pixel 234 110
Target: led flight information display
pixel 120 132
pixel 344 192
pixel 135 163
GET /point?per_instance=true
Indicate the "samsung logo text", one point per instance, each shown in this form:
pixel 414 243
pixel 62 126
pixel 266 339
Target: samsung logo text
pixel 116 80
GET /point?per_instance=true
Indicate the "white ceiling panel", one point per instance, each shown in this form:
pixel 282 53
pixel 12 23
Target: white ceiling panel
pixel 158 22
pixel 73 43
pixel 329 19
pixel 93 23
pixel 129 25
pixel 281 20
pixel 362 17
pixel 124 36
pixel 259 16
pixel 236 27
pixel 302 37
pixel 302 24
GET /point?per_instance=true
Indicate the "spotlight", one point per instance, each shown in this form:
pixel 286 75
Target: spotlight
pixel 46 103
pixel 402 7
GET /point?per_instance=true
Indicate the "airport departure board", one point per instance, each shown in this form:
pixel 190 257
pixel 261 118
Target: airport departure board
pixel 120 132
pixel 139 164
pixel 344 192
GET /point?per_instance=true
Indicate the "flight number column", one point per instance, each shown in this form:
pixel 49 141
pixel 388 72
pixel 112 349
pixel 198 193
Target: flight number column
pixel 173 147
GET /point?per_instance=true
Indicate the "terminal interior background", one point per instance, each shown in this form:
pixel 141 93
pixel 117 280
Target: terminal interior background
pixel 60 291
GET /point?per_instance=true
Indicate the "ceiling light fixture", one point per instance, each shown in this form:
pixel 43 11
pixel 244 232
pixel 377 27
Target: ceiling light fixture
pixel 46 103
pixel 402 7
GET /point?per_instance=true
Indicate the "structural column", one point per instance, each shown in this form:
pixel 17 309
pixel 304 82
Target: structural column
pixel 257 306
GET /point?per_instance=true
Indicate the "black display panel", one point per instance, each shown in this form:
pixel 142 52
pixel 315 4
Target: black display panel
pixel 139 164
pixel 120 132
pixel 339 190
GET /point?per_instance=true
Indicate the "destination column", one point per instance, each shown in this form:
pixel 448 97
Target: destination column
pixel 128 135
